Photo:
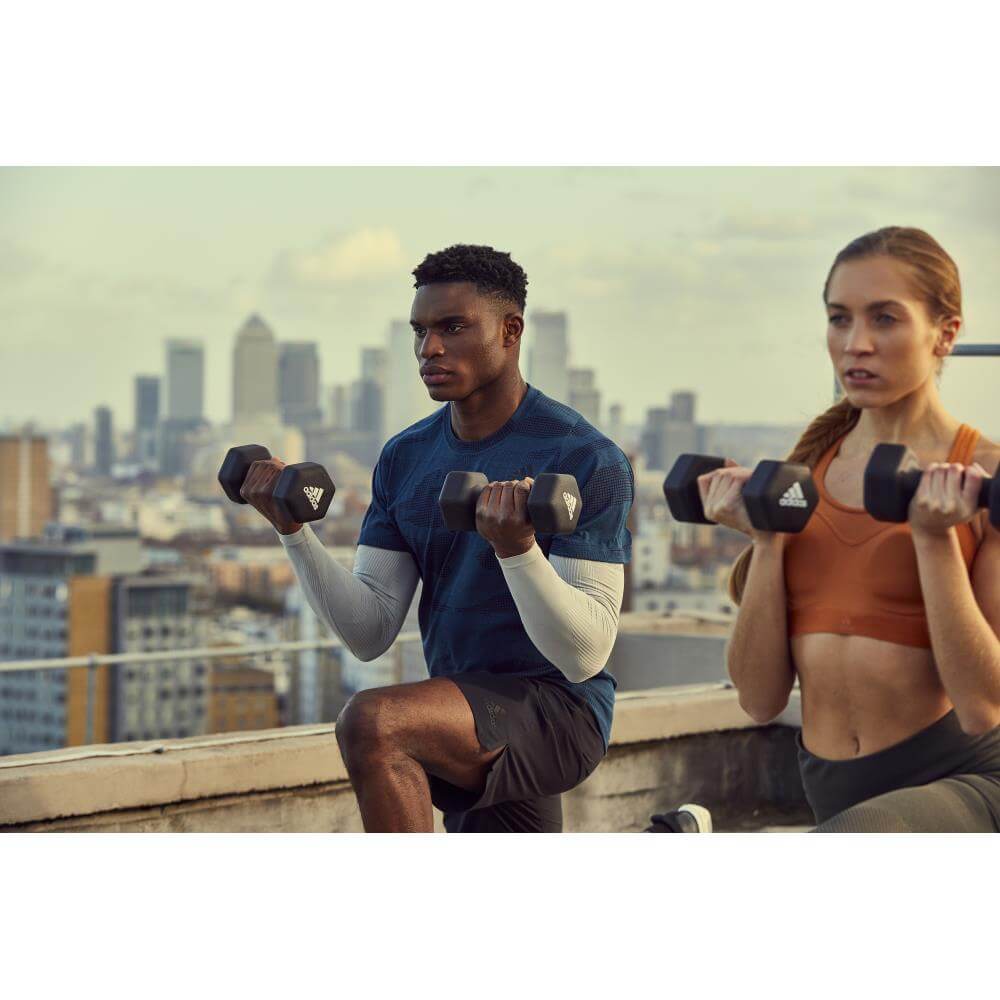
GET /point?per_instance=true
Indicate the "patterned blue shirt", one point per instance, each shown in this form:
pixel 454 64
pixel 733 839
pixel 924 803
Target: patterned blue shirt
pixel 468 619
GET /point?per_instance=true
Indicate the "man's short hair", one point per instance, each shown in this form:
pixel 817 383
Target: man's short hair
pixel 491 271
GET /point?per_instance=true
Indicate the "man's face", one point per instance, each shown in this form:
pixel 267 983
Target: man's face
pixel 462 339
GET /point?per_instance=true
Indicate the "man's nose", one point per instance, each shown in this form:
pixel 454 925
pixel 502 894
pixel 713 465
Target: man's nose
pixel 432 346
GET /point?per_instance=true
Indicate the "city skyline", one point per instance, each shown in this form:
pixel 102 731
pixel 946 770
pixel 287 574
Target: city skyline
pixel 103 265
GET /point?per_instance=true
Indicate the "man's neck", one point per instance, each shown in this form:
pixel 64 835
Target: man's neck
pixel 485 411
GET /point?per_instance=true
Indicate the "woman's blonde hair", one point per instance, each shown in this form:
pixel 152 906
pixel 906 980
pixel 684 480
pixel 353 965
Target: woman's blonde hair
pixel 935 279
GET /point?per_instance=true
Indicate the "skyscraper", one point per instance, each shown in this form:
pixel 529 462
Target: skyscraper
pixel 255 371
pixel 368 393
pixel 406 397
pixel 548 358
pixel 26 501
pixel 104 446
pixel 298 384
pixel 584 395
pixel 185 380
pixel 185 404
pixel 682 406
pixel 147 417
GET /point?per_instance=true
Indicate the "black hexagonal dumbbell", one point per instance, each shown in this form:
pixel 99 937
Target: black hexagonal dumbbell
pixel 779 496
pixel 554 502
pixel 303 491
pixel 889 489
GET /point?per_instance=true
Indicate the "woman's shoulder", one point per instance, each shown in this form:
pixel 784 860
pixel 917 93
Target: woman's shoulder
pixel 987 454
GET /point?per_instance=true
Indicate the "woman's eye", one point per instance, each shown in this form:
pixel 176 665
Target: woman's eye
pixel 838 320
pixel 884 319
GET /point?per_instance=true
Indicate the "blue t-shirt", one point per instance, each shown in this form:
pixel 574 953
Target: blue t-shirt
pixel 468 619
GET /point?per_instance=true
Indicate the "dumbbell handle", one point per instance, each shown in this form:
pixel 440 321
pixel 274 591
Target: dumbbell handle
pixel 910 481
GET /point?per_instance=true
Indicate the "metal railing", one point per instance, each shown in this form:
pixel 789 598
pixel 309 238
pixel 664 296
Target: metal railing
pixel 977 350
pixel 92 661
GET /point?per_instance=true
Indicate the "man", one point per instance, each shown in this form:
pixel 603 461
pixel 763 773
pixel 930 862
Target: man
pixel 516 626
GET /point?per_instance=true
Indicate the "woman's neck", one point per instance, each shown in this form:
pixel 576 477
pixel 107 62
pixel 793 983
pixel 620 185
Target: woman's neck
pixel 919 421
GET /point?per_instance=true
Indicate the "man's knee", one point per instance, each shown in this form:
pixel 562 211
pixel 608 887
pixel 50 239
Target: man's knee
pixel 365 727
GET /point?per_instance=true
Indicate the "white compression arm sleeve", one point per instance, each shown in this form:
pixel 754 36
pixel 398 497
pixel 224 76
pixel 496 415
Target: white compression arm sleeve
pixel 569 608
pixel 365 608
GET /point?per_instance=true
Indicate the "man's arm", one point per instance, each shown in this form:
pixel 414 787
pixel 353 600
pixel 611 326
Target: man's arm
pixel 569 608
pixel 365 608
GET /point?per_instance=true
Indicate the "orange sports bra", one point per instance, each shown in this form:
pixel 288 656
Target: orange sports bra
pixel 849 574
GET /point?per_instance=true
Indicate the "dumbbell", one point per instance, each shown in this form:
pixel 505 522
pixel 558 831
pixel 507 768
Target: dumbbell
pixel 553 504
pixel 889 490
pixel 779 496
pixel 303 491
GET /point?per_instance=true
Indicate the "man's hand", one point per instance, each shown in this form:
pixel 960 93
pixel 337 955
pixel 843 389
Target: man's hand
pixel 502 517
pixel 258 491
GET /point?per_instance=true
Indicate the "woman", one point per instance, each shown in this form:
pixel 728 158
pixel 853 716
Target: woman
pixel 891 629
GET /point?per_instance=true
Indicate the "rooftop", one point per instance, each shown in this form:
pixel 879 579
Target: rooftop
pixel 668 746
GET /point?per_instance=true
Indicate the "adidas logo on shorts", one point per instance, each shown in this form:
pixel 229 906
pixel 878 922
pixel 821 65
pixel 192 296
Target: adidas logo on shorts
pixel 793 497
pixel 313 494
pixel 570 504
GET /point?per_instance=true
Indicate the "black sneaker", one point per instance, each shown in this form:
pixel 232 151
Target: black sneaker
pixel 688 818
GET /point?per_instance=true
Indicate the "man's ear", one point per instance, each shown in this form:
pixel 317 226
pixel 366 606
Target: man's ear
pixel 513 327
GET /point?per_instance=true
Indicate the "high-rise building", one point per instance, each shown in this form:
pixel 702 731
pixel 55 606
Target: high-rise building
pixel 75 592
pixel 682 407
pixel 339 407
pixel 548 359
pixel 147 418
pixel 104 441
pixel 373 363
pixel 406 396
pixel 185 380
pixel 584 395
pixel 255 371
pixel 298 384
pixel 185 405
pixel 76 437
pixel 26 501
pixel 665 436
pixel 616 423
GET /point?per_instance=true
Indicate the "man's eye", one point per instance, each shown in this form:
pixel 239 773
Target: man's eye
pixel 455 327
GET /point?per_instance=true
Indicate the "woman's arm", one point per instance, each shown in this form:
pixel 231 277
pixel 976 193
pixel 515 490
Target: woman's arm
pixel 758 656
pixel 963 608
pixel 963 617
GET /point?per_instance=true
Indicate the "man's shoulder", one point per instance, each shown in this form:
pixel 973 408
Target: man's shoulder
pixel 415 435
pixel 578 435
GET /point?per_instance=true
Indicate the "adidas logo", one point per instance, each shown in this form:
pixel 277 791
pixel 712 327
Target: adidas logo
pixel 793 497
pixel 313 494
pixel 570 504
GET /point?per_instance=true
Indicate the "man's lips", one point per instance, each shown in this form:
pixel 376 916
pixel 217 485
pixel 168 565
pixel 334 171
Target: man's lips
pixel 432 375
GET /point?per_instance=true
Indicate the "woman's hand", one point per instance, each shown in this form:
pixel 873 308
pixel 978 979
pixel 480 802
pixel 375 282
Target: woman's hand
pixel 948 495
pixel 722 497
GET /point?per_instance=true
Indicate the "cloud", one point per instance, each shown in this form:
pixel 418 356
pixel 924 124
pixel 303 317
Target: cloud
pixel 367 254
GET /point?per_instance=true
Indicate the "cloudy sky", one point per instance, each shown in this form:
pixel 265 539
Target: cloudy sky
pixel 673 278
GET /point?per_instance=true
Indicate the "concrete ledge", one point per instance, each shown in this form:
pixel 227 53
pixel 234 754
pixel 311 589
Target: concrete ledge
pixel 294 779
pixel 124 776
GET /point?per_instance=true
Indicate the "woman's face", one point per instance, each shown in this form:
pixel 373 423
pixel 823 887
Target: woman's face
pixel 882 341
